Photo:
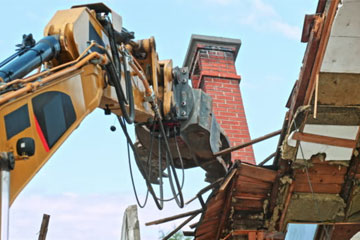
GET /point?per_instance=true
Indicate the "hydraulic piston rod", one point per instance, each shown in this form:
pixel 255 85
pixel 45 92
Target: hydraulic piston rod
pixel 45 50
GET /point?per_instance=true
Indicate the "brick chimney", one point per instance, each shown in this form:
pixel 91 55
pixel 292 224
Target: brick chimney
pixel 211 63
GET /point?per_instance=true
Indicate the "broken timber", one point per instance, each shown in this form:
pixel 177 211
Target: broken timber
pixel 315 177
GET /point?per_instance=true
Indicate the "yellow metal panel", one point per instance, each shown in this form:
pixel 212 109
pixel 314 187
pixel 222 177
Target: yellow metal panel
pixel 85 88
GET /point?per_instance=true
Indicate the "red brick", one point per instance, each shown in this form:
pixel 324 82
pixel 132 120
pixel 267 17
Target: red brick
pixel 221 82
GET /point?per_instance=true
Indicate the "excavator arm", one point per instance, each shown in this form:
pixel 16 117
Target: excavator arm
pixel 86 61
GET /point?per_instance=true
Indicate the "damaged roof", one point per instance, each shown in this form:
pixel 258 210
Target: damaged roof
pixel 315 177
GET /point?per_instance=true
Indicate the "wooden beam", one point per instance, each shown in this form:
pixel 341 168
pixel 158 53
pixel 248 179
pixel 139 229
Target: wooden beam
pixel 226 209
pixel 267 159
pixel 257 172
pixel 205 189
pixel 284 166
pixel 252 236
pixel 319 179
pixel 313 138
pixel 163 220
pixel 286 206
pixel 302 84
pixel 250 196
pixel 256 140
pixel 326 168
pixel 325 35
pixel 188 234
pixel 346 191
pixel 180 226
pixel 331 188
pixel 44 227
pixel 344 231
pixel 227 180
pixel 308 22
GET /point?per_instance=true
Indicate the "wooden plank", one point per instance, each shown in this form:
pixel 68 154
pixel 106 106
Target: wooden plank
pixel 252 236
pixel 344 231
pixel 168 236
pixel 347 189
pixel 332 141
pixel 260 235
pixel 239 207
pixel 308 22
pixel 209 221
pixel 305 73
pixel 326 168
pixel 207 236
pixel 213 214
pixel 206 228
pixel 318 179
pixel 250 196
pixel 172 218
pixel 188 234
pixel 239 189
pixel 243 179
pixel 248 203
pixel 243 232
pixel 286 206
pixel 251 142
pixel 227 180
pixel 214 205
pixel 252 187
pixel 318 188
pixel 226 210
pixel 257 172
pixel 325 35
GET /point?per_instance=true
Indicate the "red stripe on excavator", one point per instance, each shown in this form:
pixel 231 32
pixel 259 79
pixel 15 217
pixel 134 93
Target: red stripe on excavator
pixel 41 135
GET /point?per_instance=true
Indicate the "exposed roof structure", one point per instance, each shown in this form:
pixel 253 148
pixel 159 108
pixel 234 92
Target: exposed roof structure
pixel 315 177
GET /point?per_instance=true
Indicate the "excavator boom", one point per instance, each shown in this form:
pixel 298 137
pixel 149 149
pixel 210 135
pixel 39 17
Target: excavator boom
pixel 87 60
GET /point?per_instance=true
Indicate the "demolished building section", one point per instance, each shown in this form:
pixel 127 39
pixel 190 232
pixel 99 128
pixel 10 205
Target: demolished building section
pixel 315 177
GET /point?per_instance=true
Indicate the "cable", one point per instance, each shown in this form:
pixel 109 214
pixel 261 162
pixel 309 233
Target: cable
pixel 133 182
pixel 182 168
pixel 129 117
pixel 116 77
pixel 141 168
pixel 178 197
pixel 161 186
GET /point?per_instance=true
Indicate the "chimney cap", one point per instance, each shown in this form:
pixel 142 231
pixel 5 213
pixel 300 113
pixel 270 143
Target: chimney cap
pixel 211 41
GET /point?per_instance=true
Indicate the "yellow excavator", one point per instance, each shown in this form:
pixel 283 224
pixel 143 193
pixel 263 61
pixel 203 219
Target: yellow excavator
pixel 87 60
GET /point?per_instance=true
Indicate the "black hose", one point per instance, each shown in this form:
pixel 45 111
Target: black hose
pixel 178 196
pixel 141 168
pixel 129 116
pixel 133 182
pixel 115 81
pixel 182 169
pixel 161 185
pixel 116 77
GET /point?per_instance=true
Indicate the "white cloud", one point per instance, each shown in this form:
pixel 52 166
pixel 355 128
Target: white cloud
pixel 264 17
pixel 261 16
pixel 263 8
pixel 288 30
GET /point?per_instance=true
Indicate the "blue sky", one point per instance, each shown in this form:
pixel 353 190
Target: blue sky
pixel 86 186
